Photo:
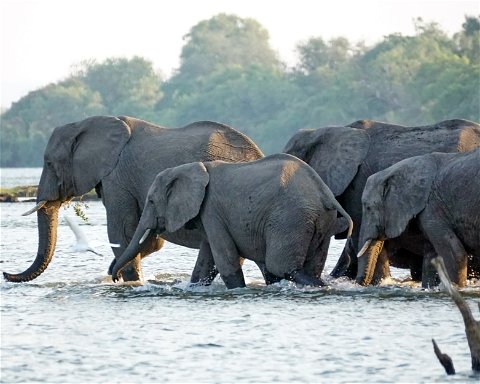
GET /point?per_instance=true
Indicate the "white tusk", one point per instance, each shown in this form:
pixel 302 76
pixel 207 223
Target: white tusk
pixel 36 208
pixel 364 248
pixel 113 245
pixel 145 235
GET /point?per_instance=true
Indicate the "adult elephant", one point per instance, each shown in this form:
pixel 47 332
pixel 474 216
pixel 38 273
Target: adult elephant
pixel 120 157
pixel 435 196
pixel 345 157
pixel 283 217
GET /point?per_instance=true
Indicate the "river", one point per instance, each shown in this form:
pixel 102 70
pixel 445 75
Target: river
pixel 73 325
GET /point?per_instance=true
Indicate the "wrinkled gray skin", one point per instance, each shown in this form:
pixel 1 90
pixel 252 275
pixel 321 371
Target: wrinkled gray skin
pixel 435 195
pixel 275 211
pixel 120 158
pixel 345 157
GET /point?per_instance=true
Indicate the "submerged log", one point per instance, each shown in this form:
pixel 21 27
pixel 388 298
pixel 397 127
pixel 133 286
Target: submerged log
pixel 472 327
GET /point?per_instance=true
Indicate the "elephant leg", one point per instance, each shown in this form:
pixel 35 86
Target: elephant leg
pixel 300 277
pixel 235 280
pixel 417 267
pixel 430 276
pixel 347 263
pixel 204 271
pixel 121 225
pixel 298 260
pixel 270 278
pixel 133 272
pixel 317 256
pixel 473 267
pixel 448 246
pixel 225 253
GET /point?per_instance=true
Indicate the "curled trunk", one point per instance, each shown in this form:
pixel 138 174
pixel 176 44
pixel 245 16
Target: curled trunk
pixel 134 247
pixel 367 260
pixel 47 217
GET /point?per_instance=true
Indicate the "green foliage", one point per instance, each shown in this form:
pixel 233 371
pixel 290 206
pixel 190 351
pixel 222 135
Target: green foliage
pixel 229 73
pixel 225 41
pixel 126 87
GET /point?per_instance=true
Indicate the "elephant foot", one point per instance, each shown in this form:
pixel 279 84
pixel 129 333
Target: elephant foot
pixel 235 280
pixel 302 278
pixel 270 278
pixel 132 272
pixel 205 280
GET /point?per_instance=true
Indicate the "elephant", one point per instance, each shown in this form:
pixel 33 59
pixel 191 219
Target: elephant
pixel 275 211
pixel 345 157
pixel 120 157
pixel 435 197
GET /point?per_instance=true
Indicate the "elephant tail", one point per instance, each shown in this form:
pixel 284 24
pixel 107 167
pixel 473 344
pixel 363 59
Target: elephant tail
pixel 344 213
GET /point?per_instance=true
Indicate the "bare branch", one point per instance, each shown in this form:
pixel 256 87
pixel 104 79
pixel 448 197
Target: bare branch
pixel 472 327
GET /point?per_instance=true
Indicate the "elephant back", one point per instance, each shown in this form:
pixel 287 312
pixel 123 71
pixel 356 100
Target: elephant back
pixel 447 136
pixel 226 143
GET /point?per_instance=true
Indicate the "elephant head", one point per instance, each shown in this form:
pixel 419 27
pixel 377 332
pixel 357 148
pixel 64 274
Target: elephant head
pixel 335 153
pixel 391 199
pixel 77 157
pixel 174 198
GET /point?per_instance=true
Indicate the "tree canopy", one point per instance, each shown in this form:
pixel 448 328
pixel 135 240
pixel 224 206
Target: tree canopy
pixel 228 72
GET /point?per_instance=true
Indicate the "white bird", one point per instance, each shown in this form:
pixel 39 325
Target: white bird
pixel 81 244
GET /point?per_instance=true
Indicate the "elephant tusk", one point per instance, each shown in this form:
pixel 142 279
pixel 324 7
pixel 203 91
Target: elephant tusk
pixel 145 235
pixel 36 208
pixel 364 248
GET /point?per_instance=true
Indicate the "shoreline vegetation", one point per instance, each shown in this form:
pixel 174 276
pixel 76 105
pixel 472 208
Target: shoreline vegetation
pixel 228 72
pixel 28 193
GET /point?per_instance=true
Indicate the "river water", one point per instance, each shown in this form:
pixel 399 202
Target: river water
pixel 73 325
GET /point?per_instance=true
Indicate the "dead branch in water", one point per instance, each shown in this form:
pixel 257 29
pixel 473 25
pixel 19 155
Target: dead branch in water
pixel 444 359
pixel 472 327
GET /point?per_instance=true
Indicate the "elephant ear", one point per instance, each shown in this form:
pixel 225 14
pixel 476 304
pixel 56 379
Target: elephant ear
pixel 185 191
pixel 336 153
pixel 96 149
pixel 406 187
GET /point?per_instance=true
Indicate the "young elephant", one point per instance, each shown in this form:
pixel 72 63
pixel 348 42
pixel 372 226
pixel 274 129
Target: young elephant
pixel 275 211
pixel 432 201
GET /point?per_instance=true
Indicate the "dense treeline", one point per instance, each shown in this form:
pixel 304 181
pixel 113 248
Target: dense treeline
pixel 229 73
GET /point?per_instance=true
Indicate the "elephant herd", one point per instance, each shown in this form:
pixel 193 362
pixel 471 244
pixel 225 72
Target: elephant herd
pixel 401 196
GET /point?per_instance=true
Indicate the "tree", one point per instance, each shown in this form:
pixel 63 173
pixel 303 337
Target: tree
pixel 225 41
pixel 315 54
pixel 126 86
pixel 27 125
pixel 468 40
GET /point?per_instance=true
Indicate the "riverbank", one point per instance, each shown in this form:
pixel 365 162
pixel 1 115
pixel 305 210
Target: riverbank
pixel 29 193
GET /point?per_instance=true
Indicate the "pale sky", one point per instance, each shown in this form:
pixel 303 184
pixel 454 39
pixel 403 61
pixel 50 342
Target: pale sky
pixel 42 39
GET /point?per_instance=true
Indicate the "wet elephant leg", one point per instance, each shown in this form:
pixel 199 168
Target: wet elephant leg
pixel 455 258
pixel 317 256
pixel 473 266
pixel 204 271
pixel 269 278
pixel 133 272
pixel 347 264
pixel 430 276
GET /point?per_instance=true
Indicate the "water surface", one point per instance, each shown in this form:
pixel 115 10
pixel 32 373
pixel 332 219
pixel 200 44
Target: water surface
pixel 73 325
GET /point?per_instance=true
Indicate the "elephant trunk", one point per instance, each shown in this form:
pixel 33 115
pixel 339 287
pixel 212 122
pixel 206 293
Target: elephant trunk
pixel 132 250
pixel 47 218
pixel 367 261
